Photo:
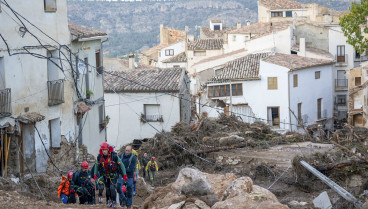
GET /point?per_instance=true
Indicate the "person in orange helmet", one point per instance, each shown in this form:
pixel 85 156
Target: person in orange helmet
pixel 65 191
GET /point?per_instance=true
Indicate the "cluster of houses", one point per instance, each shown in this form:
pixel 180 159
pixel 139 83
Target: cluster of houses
pixel 292 69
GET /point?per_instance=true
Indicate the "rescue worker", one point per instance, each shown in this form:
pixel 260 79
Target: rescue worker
pixel 109 167
pixel 145 160
pixel 136 173
pixel 65 191
pixel 152 168
pixel 83 186
pixel 130 163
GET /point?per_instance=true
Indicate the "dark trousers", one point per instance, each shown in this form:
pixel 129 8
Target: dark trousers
pixel 86 195
pixel 111 187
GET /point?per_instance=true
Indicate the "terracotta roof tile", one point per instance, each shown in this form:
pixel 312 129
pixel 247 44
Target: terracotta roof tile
pixel 182 57
pixel 245 68
pixel 295 62
pixel 206 32
pixel 205 44
pixel 220 56
pixel 81 31
pixel 144 80
pixel 281 4
pixel 153 52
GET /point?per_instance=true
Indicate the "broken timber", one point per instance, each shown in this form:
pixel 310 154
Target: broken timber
pixel 341 191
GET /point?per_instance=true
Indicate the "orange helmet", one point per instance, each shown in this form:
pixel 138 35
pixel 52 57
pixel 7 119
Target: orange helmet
pixel 84 164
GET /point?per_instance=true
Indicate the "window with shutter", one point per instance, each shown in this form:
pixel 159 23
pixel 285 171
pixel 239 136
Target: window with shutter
pixel 49 5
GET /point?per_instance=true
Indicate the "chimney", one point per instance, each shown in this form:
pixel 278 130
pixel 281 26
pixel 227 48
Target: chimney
pixel 302 47
pixel 248 22
pixel 238 25
pixel 190 38
pixel 131 61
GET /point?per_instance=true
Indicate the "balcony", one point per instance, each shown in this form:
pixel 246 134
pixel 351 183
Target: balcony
pixel 341 61
pixel 152 118
pixel 56 92
pixel 341 84
pixel 5 103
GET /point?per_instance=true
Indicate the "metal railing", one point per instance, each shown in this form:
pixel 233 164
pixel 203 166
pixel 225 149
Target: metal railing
pixel 5 103
pixel 56 92
pixel 154 118
pixel 342 83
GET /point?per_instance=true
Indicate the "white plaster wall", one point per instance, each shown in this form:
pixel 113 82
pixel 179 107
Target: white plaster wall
pixel 125 125
pixel 309 90
pixel 178 48
pixel 194 59
pixel 92 136
pixel 173 64
pixel 237 43
pixel 27 75
pixel 280 40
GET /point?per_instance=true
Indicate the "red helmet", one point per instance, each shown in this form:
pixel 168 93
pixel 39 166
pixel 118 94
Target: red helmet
pixel 84 164
pixel 104 146
pixel 153 158
pixel 70 174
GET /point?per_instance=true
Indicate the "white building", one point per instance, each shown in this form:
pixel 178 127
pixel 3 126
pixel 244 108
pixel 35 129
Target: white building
pixel 172 56
pixel 160 96
pixel 87 47
pixel 274 88
pixel 35 90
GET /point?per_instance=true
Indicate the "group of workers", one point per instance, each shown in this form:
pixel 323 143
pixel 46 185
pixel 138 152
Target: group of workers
pixel 118 174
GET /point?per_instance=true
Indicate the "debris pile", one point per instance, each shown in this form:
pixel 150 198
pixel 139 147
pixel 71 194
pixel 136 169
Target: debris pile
pixel 212 135
pixel 196 190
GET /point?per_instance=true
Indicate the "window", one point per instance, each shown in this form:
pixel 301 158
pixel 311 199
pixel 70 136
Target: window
pixel 152 113
pixel 199 53
pixel 300 120
pixel 289 14
pixel 357 55
pixel 295 80
pixel 55 132
pixel 98 59
pixel 169 52
pixel 319 108
pixel 273 116
pixel 49 5
pixel 272 83
pixel 224 90
pixel 341 100
pixel 317 74
pixel 101 117
pixel 276 14
pixel 216 27
pixel 358 81
pixel 341 53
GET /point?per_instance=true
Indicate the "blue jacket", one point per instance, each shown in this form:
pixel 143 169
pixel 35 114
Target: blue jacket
pixel 130 169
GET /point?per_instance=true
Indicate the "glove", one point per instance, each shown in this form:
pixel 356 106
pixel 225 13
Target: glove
pixel 125 177
pixel 95 177
pixel 123 188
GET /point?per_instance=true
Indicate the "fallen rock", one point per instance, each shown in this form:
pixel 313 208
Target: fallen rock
pixel 196 190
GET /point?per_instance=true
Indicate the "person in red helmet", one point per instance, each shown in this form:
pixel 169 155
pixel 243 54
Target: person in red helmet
pixel 109 167
pixel 152 168
pixel 64 190
pixel 83 186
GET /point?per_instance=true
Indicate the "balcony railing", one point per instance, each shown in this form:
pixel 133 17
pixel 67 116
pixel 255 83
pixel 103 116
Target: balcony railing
pixel 341 83
pixel 153 118
pixel 342 59
pixel 56 92
pixel 5 103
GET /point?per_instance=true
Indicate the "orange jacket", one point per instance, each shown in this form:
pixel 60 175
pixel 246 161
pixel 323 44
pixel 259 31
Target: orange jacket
pixel 64 187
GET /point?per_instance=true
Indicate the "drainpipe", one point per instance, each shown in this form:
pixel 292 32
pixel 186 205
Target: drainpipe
pixel 291 127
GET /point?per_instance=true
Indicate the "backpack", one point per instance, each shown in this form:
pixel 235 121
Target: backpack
pixel 153 166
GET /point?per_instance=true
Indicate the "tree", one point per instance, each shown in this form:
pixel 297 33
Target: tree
pixel 354 25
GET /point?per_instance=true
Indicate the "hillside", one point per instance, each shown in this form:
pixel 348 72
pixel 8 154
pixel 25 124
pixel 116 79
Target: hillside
pixel 134 26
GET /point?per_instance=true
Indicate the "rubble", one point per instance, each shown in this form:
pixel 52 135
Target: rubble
pixel 195 189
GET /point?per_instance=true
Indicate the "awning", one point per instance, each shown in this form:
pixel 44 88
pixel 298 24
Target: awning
pixel 83 108
pixel 6 122
pixel 31 117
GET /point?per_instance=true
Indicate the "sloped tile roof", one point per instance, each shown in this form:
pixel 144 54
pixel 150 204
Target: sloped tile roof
pixel 281 4
pixel 153 52
pixel 144 80
pixel 245 68
pixel 182 57
pixel 261 28
pixel 81 31
pixel 295 62
pixel 206 32
pixel 205 44
pixel 209 59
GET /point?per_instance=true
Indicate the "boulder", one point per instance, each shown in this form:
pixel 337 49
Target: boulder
pixel 201 204
pixel 191 182
pixel 238 187
pixel 190 206
pixel 177 205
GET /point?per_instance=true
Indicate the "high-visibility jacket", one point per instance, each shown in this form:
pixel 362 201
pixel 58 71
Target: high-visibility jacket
pixel 154 163
pixel 64 187
pixel 136 154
